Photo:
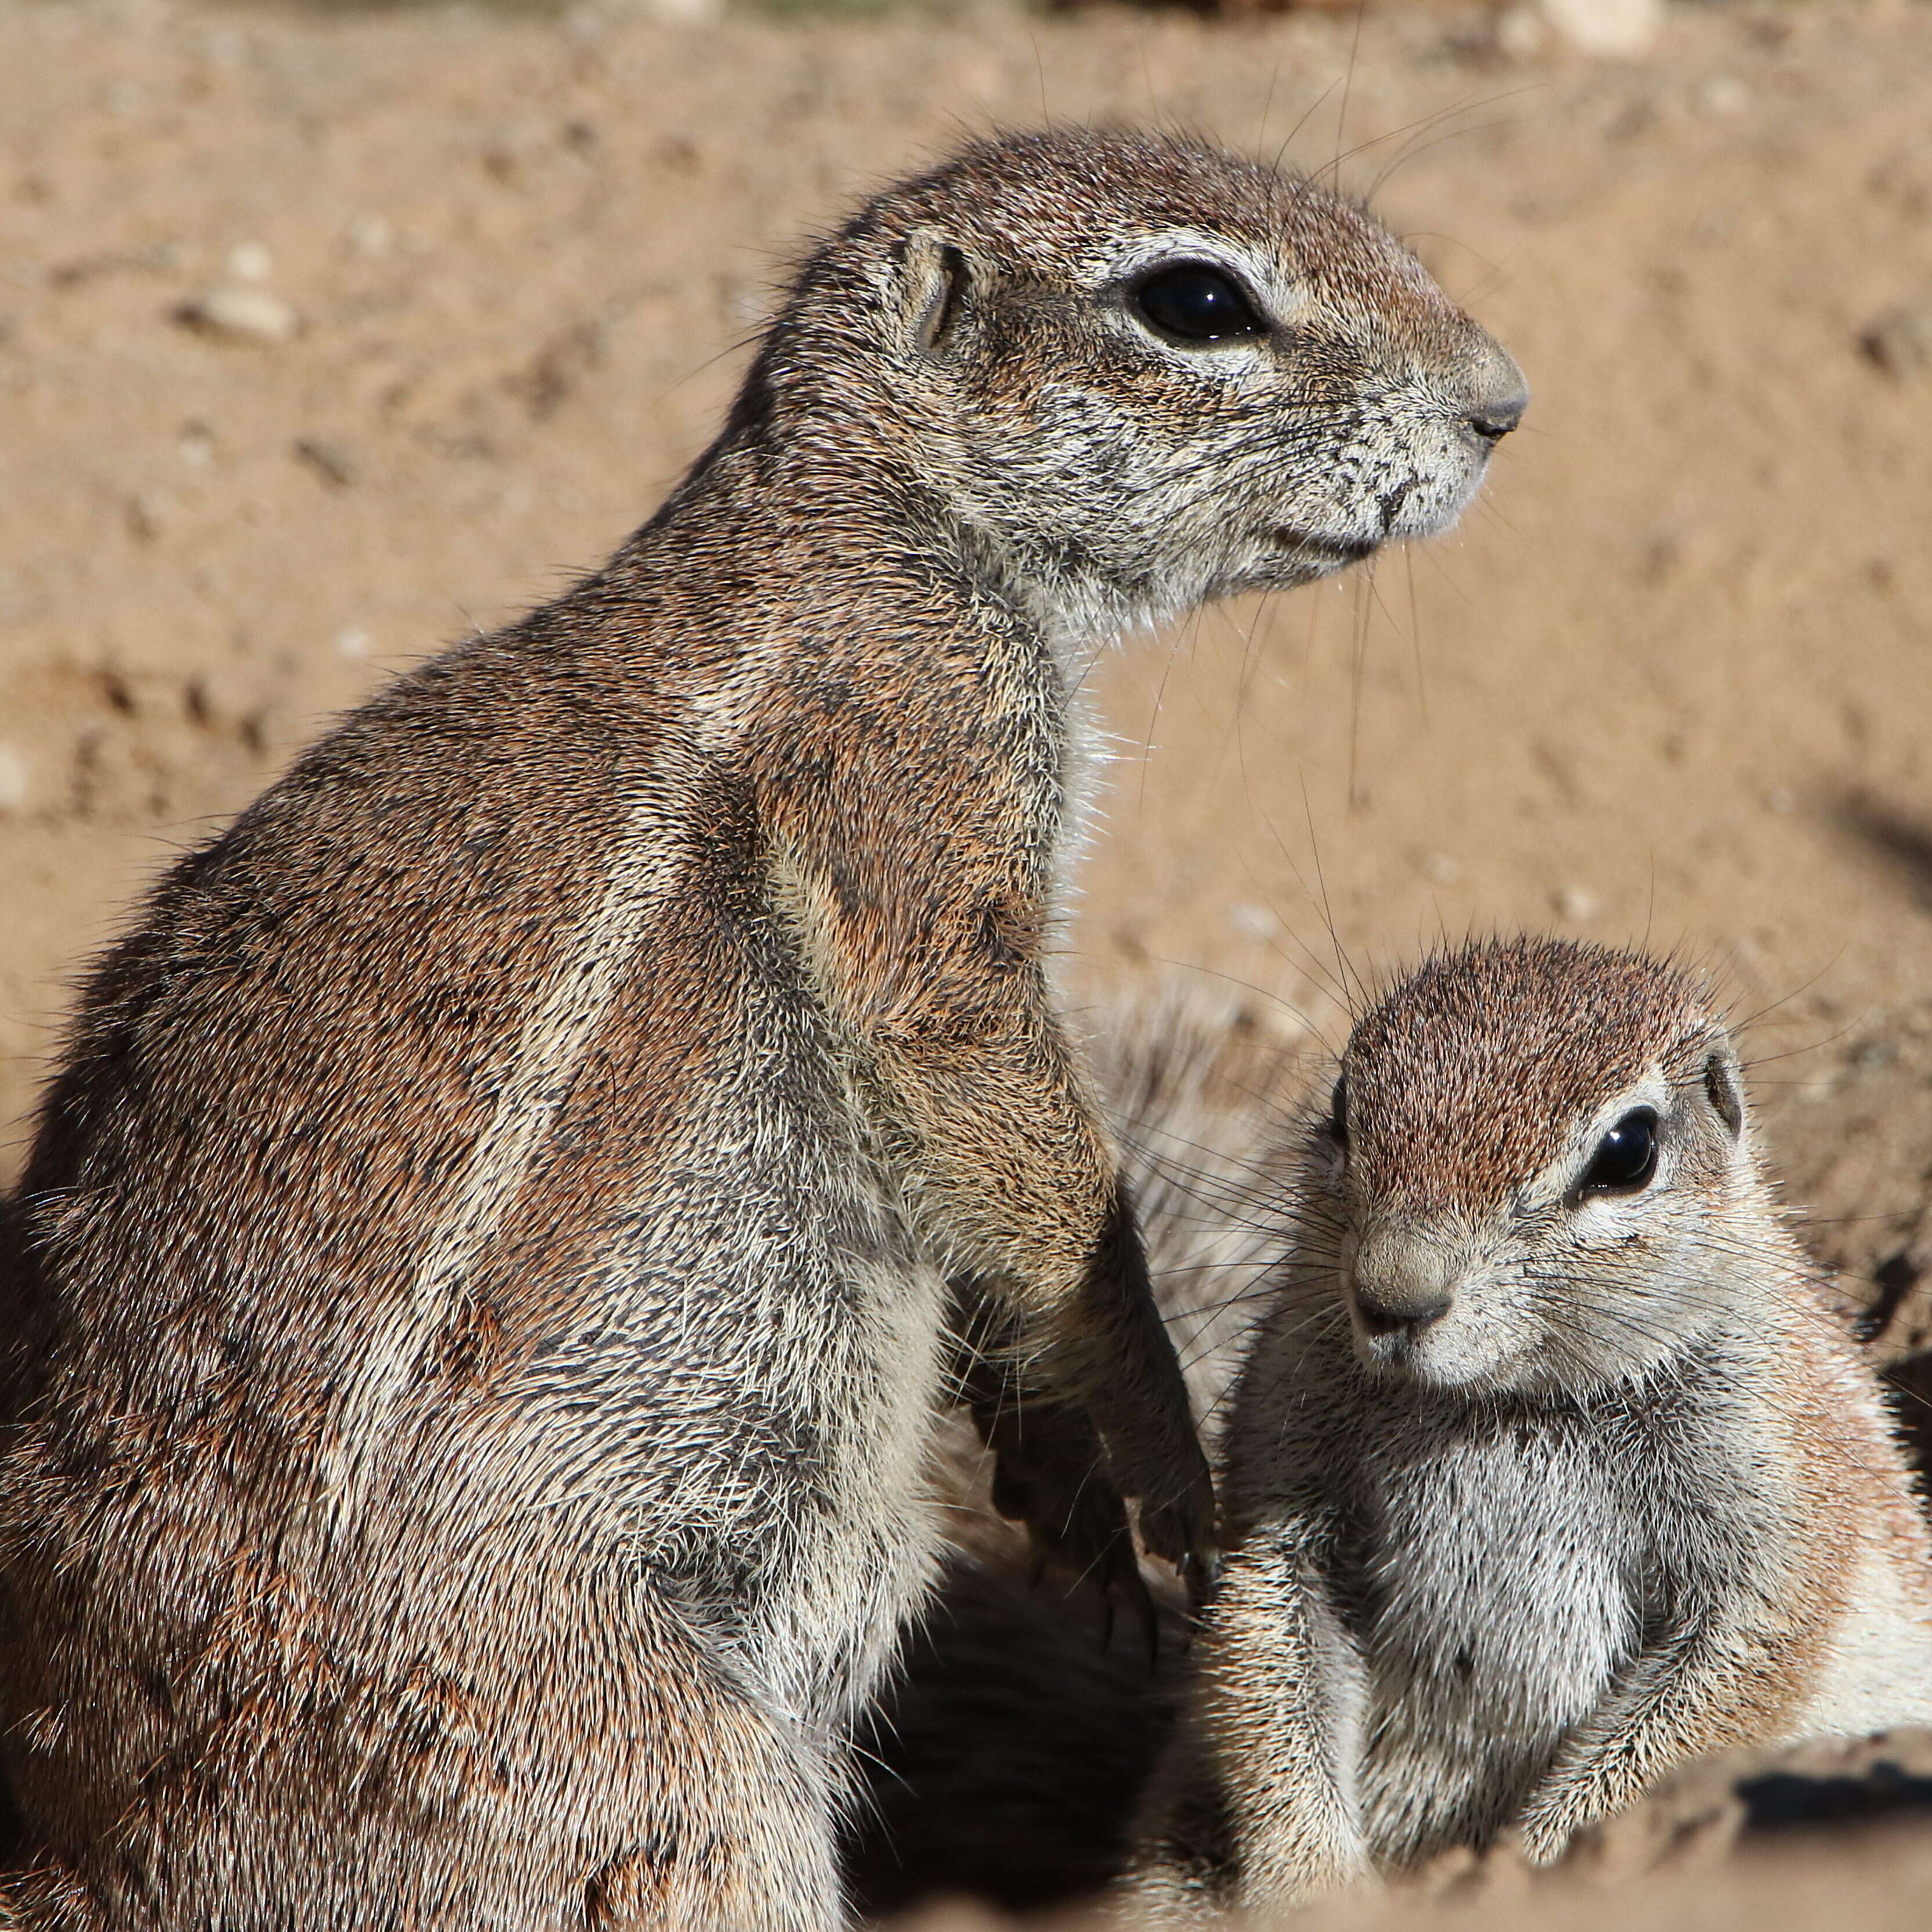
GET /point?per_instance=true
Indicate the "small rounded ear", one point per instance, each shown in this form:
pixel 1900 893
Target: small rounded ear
pixel 1726 1091
pixel 934 281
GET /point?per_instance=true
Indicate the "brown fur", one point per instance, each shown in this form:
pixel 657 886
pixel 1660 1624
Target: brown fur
pixel 476 1289
pixel 1552 1028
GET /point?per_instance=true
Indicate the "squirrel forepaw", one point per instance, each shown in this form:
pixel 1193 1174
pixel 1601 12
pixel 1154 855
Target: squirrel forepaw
pixel 1181 1530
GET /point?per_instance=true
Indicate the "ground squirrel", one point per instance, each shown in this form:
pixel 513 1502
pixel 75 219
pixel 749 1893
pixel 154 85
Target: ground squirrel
pixel 1553 1465
pixel 476 1298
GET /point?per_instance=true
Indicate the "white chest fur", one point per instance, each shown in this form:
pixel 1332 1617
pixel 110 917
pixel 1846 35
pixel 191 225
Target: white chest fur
pixel 1500 1594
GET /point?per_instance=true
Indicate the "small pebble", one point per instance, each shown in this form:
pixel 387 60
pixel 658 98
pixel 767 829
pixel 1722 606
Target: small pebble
pixel 1441 868
pixel 1723 94
pixel 334 464
pixel 1577 904
pixel 242 311
pixel 1520 33
pixel 249 262
pixel 1619 28
pixel 353 642
pixel 369 234
pixel 146 515
pixel 1253 922
pixel 682 13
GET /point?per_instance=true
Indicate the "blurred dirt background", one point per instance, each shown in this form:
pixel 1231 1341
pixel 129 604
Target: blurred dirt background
pixel 325 335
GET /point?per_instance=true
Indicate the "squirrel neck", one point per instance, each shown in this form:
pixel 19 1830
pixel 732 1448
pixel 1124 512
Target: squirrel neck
pixel 820 501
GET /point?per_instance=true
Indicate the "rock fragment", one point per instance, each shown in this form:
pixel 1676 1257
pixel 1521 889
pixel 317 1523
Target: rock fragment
pixel 332 461
pixel 1620 29
pixel 242 311
pixel 15 783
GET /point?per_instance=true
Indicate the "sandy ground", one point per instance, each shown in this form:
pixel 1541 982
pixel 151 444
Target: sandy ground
pixel 1671 680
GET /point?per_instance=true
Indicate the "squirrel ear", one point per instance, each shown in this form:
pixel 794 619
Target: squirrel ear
pixel 1721 1087
pixel 935 280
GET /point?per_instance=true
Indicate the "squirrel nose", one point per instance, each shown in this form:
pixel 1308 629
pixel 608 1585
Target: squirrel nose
pixel 1497 396
pixel 1380 1316
pixel 1494 420
pixel 1401 1281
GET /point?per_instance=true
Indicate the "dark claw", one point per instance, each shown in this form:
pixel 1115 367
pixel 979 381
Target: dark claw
pixel 1200 1573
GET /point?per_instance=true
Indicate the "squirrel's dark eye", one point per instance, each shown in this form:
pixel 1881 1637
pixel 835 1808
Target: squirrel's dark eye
pixel 1626 1157
pixel 1194 303
pixel 1338 1113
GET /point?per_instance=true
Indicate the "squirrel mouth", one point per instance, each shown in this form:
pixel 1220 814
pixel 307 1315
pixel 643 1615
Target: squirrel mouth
pixel 1324 552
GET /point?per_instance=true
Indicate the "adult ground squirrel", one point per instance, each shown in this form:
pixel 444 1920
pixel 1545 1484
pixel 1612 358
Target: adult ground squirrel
pixel 477 1286
pixel 1552 1466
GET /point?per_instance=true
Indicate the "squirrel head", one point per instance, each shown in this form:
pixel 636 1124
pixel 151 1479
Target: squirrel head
pixel 1136 372
pixel 1537 1170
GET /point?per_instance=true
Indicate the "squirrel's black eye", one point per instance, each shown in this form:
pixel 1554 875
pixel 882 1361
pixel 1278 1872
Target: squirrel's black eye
pixel 1195 303
pixel 1626 1157
pixel 1338 1113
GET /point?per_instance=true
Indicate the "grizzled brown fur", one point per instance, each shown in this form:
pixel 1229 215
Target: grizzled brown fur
pixel 475 1301
pixel 1552 1027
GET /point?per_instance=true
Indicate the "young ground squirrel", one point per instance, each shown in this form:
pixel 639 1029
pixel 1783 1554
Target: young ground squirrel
pixel 476 1295
pixel 1552 1466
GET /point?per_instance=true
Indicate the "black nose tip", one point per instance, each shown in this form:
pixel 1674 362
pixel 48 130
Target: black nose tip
pixel 1494 420
pixel 1411 1315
